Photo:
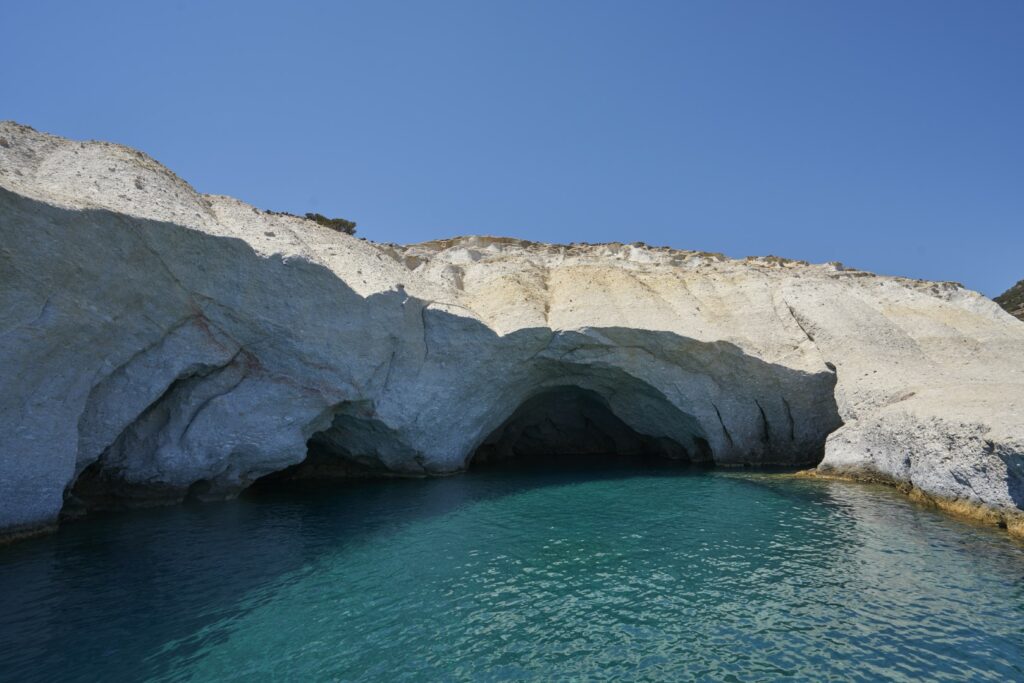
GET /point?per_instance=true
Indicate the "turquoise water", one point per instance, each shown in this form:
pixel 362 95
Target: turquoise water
pixel 524 575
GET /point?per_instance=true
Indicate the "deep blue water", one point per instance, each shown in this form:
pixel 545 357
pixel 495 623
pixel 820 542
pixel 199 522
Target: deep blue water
pixel 521 575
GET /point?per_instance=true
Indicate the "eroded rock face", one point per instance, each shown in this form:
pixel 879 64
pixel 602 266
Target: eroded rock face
pixel 159 344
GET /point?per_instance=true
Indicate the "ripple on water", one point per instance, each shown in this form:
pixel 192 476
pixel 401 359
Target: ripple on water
pixel 522 575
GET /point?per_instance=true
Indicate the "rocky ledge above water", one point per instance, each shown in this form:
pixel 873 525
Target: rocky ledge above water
pixel 160 344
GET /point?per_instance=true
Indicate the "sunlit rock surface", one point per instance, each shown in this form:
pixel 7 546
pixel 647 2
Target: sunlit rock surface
pixel 159 344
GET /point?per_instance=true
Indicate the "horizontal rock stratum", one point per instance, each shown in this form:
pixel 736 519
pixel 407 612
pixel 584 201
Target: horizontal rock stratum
pixel 159 344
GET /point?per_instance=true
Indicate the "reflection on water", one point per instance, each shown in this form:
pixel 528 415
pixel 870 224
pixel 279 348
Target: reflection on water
pixel 625 572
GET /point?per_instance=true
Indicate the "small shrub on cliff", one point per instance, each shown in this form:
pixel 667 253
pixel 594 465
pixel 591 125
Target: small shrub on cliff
pixel 1012 300
pixel 339 224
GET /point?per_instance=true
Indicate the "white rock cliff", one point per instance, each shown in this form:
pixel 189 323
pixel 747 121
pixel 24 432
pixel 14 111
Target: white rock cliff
pixel 156 344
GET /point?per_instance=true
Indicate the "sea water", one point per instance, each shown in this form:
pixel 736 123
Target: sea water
pixel 568 574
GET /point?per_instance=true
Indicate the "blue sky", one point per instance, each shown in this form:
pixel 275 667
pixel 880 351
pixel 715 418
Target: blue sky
pixel 887 135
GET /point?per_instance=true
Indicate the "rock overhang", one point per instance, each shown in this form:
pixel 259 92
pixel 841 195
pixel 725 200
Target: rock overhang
pixel 186 338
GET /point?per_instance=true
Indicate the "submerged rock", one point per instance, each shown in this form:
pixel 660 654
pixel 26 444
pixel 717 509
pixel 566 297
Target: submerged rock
pixel 159 344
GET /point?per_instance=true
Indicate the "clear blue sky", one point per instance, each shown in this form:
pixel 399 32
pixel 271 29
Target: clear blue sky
pixel 887 135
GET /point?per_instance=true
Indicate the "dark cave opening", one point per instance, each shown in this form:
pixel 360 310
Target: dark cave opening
pixel 558 427
pixel 354 446
pixel 570 425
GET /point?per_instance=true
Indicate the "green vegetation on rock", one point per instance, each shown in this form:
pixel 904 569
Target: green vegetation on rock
pixel 1012 300
pixel 340 224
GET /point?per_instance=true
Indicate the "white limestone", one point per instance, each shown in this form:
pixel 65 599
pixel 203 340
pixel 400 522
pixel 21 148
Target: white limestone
pixel 155 342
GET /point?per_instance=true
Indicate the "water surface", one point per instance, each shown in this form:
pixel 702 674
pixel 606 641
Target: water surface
pixel 521 575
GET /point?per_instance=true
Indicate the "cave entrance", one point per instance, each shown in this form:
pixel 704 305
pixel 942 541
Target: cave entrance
pixel 570 424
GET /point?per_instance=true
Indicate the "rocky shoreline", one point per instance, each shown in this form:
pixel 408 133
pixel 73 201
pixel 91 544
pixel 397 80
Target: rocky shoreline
pixel 1010 520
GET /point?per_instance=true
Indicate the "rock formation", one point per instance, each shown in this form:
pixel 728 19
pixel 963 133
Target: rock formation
pixel 159 344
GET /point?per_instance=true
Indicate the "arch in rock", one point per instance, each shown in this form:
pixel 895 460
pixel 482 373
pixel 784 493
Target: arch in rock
pixel 570 420
pixel 590 408
pixel 356 443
